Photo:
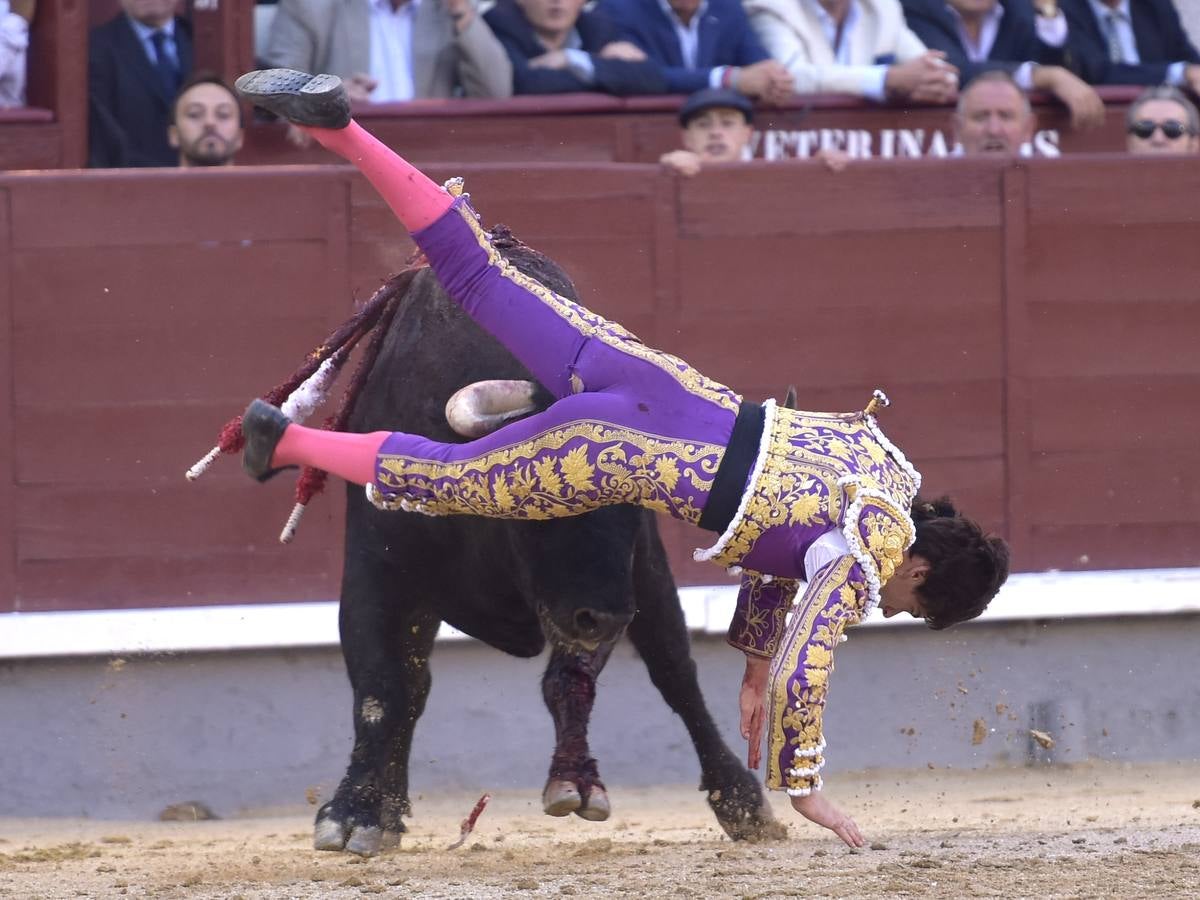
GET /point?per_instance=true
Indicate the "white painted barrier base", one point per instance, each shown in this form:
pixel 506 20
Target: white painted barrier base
pixel 1049 595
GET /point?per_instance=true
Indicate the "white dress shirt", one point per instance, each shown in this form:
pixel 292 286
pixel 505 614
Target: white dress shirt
pixel 392 51
pixel 145 34
pixel 1117 21
pixel 1050 31
pixel 874 77
pixel 689 40
pixel 824 550
pixel 14 39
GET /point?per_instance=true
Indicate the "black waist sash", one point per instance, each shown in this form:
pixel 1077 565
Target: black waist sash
pixel 730 481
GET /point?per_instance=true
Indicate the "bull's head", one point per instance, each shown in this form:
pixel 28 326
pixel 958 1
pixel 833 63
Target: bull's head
pixel 581 576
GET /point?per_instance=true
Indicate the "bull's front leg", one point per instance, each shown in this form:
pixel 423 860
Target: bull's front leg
pixel 659 633
pixel 569 688
pixel 386 641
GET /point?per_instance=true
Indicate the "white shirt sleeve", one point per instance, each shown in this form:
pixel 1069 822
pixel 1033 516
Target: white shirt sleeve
pixel 824 550
pixel 14 38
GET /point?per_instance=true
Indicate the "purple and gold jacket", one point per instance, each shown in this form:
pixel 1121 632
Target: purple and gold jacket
pixel 815 473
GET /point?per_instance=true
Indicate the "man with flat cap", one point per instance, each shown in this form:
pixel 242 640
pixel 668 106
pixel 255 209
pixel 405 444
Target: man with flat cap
pixel 717 125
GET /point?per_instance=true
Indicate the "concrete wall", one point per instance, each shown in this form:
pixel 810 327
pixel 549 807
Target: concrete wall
pixel 252 731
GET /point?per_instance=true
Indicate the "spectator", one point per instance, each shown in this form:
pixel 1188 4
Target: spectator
pixel 717 127
pixel 1118 42
pixel 701 43
pixel 392 50
pixel 136 63
pixel 557 48
pixel 983 35
pixel 993 116
pixel 15 18
pixel 854 47
pixel 206 122
pixel 1162 121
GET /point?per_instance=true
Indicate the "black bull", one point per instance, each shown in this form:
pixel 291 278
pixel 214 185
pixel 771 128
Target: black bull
pixel 577 583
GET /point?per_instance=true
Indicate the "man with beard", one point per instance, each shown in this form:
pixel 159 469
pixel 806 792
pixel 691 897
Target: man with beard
pixel 993 116
pixel 206 123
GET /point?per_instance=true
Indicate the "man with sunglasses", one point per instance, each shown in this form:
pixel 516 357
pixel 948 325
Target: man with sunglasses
pixel 1162 121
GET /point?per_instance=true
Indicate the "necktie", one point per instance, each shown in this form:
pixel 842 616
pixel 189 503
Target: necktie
pixel 1115 53
pixel 167 72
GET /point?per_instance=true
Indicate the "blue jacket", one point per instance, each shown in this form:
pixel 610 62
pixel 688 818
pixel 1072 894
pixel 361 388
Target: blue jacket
pixel 129 109
pixel 1016 39
pixel 612 76
pixel 726 39
pixel 1157 31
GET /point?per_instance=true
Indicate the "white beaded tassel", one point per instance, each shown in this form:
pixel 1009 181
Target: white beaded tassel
pixel 203 465
pixel 304 400
pixel 293 522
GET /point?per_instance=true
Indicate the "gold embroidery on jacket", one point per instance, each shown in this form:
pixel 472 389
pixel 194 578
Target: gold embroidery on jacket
pixel 794 715
pixel 807 454
pixel 537 479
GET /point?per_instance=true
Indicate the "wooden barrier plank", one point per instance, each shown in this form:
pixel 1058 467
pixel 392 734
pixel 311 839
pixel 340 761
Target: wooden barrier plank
pixel 8 435
pixel 1115 546
pixel 1143 413
pixel 169 207
pixel 1140 337
pixel 1091 264
pixel 1112 191
pixel 752 200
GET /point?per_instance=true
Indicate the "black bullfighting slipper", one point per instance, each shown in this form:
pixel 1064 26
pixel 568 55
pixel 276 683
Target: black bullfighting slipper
pixel 262 427
pixel 316 100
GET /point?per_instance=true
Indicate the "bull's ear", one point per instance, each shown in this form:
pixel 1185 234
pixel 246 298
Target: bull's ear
pixel 789 402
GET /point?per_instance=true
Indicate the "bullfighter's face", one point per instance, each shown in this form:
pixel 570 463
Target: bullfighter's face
pixel 899 594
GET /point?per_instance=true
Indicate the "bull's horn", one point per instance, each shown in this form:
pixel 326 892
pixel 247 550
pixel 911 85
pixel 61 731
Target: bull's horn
pixel 484 406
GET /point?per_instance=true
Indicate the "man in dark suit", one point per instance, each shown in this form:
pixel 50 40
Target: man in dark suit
pixel 979 36
pixel 557 48
pixel 701 44
pixel 1131 42
pixel 136 63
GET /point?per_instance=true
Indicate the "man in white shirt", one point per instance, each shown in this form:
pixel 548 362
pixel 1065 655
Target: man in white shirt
pixel 858 47
pixel 15 17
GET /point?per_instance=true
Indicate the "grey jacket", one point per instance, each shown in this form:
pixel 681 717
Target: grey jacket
pixel 334 36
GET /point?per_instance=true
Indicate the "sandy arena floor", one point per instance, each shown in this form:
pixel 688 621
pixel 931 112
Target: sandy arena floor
pixel 1089 831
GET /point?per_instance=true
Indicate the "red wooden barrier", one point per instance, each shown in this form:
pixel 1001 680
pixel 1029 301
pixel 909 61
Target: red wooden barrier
pixel 1034 332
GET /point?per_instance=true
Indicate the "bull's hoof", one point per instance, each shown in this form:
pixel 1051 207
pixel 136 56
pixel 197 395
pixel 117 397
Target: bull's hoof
pixel 597 807
pixel 561 797
pixel 328 835
pixel 746 818
pixel 369 840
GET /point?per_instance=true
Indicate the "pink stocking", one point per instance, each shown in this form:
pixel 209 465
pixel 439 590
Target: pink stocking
pixel 349 456
pixel 416 201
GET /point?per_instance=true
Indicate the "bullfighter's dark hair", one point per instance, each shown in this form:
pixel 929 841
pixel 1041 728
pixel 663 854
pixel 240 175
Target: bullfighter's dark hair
pixel 967 566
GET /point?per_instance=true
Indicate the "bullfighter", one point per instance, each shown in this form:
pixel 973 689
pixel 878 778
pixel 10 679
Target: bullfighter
pixel 791 495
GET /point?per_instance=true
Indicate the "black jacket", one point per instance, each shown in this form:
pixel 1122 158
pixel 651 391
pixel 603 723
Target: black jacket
pixel 1157 32
pixel 128 106
pixel 613 76
pixel 1016 40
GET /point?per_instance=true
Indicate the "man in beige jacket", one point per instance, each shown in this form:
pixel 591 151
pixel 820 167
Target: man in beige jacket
pixel 858 47
pixel 392 50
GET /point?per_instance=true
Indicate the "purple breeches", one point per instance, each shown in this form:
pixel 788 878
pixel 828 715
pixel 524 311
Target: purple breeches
pixel 630 425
